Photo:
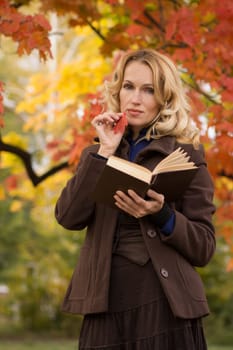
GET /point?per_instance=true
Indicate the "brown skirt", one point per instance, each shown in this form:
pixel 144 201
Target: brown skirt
pixel 139 316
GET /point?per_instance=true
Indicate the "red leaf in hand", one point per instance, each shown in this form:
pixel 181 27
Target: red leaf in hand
pixel 121 124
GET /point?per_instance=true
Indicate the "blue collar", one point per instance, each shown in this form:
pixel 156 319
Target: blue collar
pixel 137 144
pixel 129 136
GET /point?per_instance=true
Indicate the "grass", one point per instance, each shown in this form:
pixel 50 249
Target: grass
pixel 220 347
pixel 59 345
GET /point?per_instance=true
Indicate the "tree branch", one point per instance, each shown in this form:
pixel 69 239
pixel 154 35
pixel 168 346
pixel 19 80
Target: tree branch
pixel 161 14
pixel 27 161
pixel 179 45
pixel 26 158
pixel 17 4
pixel 152 20
pixel 176 4
pixel 223 173
pixel 100 35
pixel 196 87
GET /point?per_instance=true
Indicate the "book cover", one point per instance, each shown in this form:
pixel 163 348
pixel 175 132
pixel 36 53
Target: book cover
pixel 171 184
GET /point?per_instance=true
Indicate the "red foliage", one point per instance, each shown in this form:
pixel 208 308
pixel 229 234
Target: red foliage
pixel 134 29
pixel 80 142
pixel 11 182
pixel 183 27
pixel 197 35
pixel 30 32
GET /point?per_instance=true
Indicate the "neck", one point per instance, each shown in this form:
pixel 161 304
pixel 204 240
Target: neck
pixel 135 132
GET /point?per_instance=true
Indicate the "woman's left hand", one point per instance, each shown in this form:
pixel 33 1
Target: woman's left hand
pixel 136 206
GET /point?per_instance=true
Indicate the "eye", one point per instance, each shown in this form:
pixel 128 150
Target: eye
pixel 149 90
pixel 127 86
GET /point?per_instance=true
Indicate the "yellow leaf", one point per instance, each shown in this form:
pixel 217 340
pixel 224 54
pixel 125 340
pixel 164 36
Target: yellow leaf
pixel 2 193
pixel 224 181
pixel 10 160
pixel 16 205
pixel 15 139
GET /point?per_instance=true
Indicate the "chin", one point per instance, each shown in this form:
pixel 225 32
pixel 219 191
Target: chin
pixel 137 125
pixel 135 122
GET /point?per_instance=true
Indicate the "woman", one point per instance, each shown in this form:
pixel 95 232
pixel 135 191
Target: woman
pixel 135 282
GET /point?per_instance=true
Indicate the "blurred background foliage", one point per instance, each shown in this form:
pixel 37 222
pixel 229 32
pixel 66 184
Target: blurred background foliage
pixel 46 105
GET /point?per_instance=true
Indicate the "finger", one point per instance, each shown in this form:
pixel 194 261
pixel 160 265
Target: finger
pixel 122 198
pixel 139 200
pixel 106 118
pixel 145 207
pixel 155 196
pixel 124 202
pixel 130 205
pixel 122 205
pixel 127 199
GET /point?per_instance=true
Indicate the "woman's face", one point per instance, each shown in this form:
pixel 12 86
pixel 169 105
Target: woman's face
pixel 137 96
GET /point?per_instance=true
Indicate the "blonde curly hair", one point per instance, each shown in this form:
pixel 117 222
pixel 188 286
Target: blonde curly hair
pixel 174 110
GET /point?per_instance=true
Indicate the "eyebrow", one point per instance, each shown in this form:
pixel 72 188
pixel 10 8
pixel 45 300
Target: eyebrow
pixel 146 84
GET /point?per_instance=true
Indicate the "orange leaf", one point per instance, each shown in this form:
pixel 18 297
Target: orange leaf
pixel 135 29
pixel 121 124
pixel 11 182
pixel 9 26
pixel 59 154
pixel 136 7
pixel 31 32
pixel 42 22
pixel 53 144
pixel 225 126
pixel 230 265
pixel 170 29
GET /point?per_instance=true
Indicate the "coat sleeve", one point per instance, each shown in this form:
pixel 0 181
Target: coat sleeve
pixel 75 206
pixel 193 234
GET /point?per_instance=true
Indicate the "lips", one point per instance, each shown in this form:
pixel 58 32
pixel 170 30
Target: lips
pixel 134 112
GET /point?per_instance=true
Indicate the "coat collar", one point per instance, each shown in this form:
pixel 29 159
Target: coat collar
pixel 165 145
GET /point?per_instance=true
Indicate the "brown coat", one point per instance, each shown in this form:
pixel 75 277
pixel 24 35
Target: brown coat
pixel 192 242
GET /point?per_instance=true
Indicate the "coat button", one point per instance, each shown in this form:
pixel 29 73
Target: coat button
pixel 164 272
pixel 151 233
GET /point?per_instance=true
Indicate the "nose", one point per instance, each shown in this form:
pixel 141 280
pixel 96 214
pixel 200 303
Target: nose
pixel 136 97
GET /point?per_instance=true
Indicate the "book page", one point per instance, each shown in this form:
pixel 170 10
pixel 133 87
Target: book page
pixel 130 168
pixel 177 160
pixel 177 155
pixel 177 167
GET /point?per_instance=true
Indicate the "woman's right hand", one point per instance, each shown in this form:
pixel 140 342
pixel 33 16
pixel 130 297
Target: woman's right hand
pixel 109 139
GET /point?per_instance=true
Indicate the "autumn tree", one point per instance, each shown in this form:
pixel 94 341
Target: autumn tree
pixel 197 35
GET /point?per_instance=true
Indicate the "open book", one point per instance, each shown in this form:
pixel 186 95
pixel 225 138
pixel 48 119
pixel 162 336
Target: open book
pixel 171 177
